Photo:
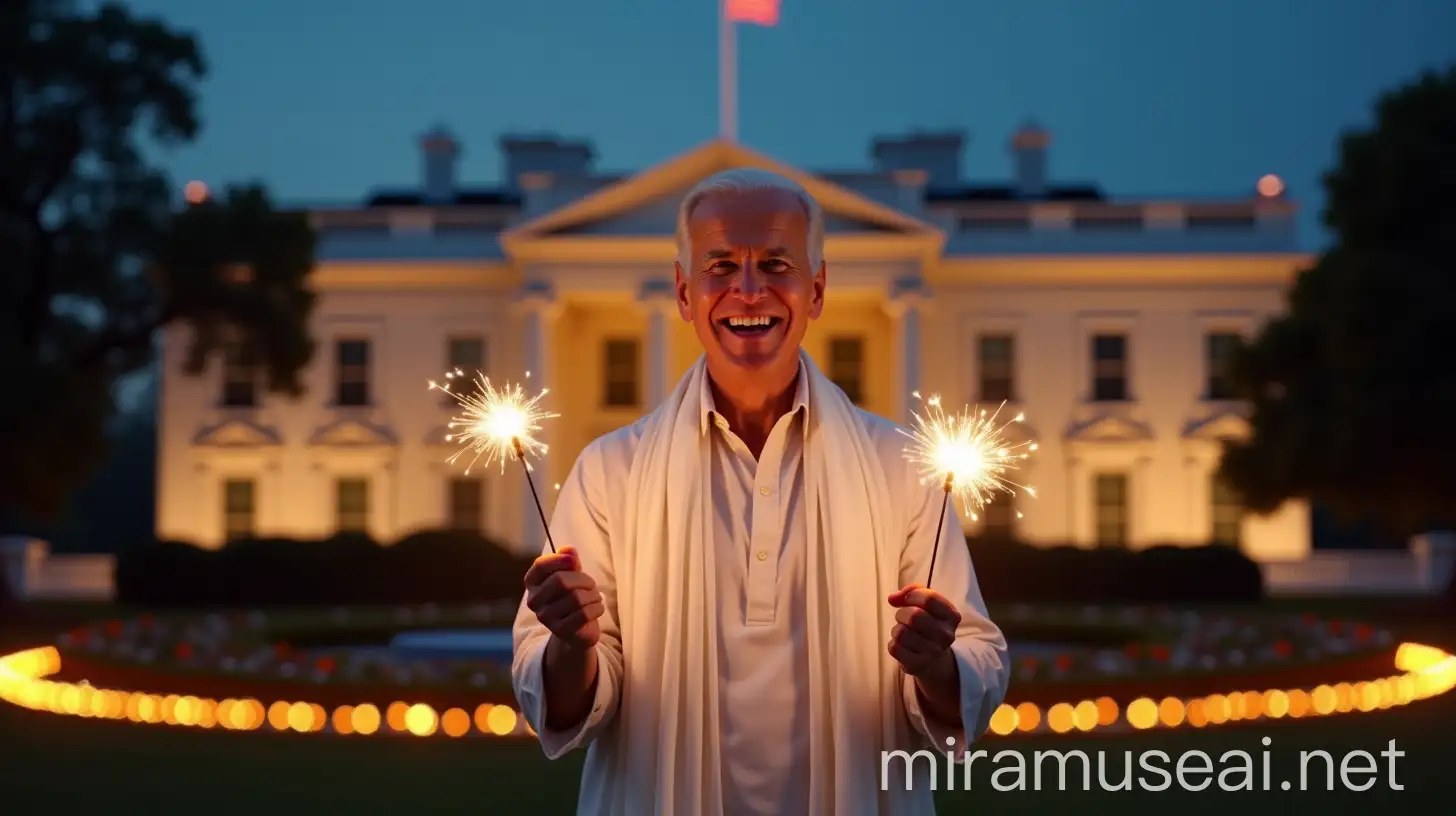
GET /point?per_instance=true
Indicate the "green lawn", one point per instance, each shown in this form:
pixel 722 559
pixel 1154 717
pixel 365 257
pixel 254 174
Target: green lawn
pixel 62 765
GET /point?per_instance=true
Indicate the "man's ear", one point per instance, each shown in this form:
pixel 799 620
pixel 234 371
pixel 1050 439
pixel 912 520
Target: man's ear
pixel 680 285
pixel 821 279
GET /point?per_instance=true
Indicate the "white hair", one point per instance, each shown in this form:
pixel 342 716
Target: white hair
pixel 741 180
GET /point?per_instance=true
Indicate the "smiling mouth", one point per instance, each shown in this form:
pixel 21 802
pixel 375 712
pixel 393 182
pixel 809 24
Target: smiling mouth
pixel 755 326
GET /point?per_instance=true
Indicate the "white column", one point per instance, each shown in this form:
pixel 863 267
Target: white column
pixel 906 302
pixel 656 299
pixel 540 310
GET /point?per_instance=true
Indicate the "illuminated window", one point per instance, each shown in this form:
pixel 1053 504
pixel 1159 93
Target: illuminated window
pixel 846 366
pixel 1219 351
pixel 1112 509
pixel 351 505
pixel 351 373
pixel 239 380
pixel 1109 368
pixel 1228 513
pixel 622 362
pixel 467 504
pixel 238 508
pixel 996 354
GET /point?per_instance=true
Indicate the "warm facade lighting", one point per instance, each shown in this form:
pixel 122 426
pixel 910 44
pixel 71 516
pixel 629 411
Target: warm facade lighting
pixel 1271 186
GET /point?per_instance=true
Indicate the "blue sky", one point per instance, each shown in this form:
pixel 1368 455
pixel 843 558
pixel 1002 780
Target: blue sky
pixel 323 99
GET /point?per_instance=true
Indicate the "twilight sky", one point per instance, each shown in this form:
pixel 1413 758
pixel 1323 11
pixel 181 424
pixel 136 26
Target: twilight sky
pixel 323 99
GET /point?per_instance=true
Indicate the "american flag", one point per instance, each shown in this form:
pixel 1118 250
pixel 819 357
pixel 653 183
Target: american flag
pixel 755 12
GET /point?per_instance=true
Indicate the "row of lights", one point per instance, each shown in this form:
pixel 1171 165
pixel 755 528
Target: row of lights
pixel 22 683
pixel 1426 672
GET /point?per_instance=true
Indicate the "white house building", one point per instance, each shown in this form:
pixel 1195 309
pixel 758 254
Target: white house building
pixel 1106 321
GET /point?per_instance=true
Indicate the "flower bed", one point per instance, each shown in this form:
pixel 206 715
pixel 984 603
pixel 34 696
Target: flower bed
pixel 238 653
pixel 1159 642
pixel 246 671
pixel 231 654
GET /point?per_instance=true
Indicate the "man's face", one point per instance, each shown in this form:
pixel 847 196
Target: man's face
pixel 749 290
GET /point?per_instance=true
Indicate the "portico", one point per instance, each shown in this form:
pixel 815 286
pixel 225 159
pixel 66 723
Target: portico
pixel 598 280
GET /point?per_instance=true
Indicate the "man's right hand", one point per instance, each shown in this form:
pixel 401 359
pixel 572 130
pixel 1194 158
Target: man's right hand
pixel 565 599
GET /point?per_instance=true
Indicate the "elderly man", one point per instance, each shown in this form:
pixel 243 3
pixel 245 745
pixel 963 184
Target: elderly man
pixel 734 624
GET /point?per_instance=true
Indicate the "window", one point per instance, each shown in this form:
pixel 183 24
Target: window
pixel 351 505
pixel 239 380
pixel 1219 350
pixel 467 356
pixel 846 366
pixel 1109 368
pixel 996 353
pixel 621 364
pixel 238 508
pixel 351 384
pixel 1228 514
pixel 467 504
pixel 1112 509
pixel 998 517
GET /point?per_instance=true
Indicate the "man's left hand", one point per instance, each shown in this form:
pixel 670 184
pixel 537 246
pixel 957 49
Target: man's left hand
pixel 925 628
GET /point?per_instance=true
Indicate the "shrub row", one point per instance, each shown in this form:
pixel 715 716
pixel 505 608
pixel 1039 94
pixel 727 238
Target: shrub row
pixel 458 568
pixel 428 567
pixel 1012 572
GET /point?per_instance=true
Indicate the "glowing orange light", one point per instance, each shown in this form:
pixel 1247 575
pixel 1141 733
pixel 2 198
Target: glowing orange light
pixel 1271 186
pixel 196 192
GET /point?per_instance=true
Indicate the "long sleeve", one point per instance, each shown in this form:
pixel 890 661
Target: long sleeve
pixel 979 648
pixel 577 522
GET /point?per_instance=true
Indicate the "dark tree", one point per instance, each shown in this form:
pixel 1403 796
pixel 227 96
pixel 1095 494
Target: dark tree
pixel 1354 388
pixel 97 255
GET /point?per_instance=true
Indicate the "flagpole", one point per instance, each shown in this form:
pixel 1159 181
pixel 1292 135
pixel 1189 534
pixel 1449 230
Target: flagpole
pixel 727 75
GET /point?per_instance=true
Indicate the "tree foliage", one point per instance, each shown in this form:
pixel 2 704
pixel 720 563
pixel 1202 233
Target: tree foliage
pixel 1353 388
pixel 97 255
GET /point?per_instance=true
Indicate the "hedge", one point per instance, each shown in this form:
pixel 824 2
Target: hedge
pixel 442 567
pixel 1011 572
pixel 445 567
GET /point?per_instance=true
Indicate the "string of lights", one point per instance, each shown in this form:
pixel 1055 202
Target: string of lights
pixel 1423 672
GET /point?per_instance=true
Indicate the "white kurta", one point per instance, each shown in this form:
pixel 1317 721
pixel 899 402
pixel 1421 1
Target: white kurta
pixel 758 540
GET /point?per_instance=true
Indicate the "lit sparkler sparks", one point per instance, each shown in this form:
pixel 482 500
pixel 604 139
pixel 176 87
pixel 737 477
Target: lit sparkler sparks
pixel 968 454
pixel 498 424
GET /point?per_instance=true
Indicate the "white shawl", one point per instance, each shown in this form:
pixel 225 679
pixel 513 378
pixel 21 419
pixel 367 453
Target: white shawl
pixel 666 757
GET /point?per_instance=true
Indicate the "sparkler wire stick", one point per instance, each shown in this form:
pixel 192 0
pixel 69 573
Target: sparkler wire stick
pixel 521 455
pixel 939 527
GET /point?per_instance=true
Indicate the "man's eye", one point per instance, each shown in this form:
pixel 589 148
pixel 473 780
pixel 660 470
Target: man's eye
pixel 723 267
pixel 773 266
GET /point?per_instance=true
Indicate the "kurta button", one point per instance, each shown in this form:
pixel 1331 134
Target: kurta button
pixel 764 491
pixel 762 556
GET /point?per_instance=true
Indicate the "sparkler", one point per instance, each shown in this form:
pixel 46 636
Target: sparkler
pixel 496 425
pixel 968 454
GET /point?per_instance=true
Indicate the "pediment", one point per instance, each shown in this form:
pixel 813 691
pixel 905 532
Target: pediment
pixel 1110 430
pixel 352 433
pixel 1220 426
pixel 236 433
pixel 646 203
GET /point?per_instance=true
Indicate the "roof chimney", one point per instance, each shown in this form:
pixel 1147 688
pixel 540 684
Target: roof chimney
pixel 1029 147
pixel 440 151
pixel 937 155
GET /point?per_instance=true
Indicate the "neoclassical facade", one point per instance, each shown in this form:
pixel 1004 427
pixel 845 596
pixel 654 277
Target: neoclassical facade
pixel 1107 322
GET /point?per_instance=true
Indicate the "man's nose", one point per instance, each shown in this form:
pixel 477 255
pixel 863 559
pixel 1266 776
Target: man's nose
pixel 750 284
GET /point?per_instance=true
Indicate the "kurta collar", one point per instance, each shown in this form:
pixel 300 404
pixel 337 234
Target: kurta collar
pixel 710 412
